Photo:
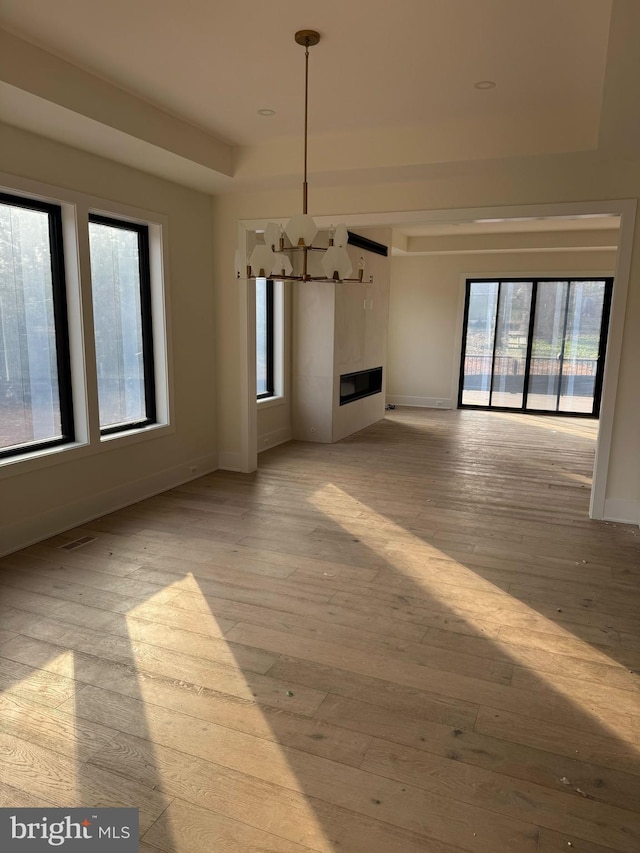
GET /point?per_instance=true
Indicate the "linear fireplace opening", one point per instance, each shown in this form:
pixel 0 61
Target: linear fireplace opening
pixel 363 383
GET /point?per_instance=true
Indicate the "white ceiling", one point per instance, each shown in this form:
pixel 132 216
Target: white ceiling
pixel 379 66
pixel 175 87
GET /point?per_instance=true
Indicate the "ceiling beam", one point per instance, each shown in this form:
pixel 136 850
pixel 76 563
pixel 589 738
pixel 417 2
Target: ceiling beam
pixel 25 68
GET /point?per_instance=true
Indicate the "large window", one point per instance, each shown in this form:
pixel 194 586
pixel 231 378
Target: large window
pixel 264 339
pixel 535 345
pixel 122 323
pixel 53 392
pixel 35 383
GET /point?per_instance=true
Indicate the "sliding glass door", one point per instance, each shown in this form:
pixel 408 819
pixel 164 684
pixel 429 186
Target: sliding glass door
pixel 535 345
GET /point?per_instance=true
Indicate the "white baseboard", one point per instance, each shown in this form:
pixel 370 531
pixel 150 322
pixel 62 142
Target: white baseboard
pixel 273 438
pixel 421 402
pixel 626 512
pixel 73 514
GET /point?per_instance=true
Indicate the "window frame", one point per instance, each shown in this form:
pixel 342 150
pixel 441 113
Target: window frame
pixel 61 327
pixel 88 442
pixel 270 342
pixel 146 316
pixel 608 281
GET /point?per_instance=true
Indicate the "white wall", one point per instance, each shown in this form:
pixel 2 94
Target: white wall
pixel 426 310
pixel 274 424
pixel 312 382
pixel 41 497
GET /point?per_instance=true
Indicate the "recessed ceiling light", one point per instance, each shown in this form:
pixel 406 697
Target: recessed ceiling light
pixel 266 112
pixel 485 84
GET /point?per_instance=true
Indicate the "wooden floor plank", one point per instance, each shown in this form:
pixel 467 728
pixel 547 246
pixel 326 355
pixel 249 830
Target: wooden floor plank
pixel 537 699
pixel 67 783
pixel 412 641
pixel 6 635
pixel 117 635
pixel 163 713
pixel 571 646
pixel 550 808
pixel 606 673
pixel 561 842
pixel 377 692
pixel 253 591
pixel 36 571
pixel 600 747
pixel 46 555
pixel 11 797
pixel 341 830
pixel 155 661
pixel 231 792
pixel 581 690
pixel 465 745
pixel 30 682
pixel 53 728
pixel 185 828
pixel 374 636
pixel 300 612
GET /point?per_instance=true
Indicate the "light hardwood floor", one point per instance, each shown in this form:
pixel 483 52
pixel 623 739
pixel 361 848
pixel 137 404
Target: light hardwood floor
pixel 414 640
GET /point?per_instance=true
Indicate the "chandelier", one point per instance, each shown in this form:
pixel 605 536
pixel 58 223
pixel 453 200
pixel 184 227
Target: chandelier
pixel 288 253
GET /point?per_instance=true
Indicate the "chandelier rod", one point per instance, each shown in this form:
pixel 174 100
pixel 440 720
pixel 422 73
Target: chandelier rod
pixel 306 123
pixel 306 38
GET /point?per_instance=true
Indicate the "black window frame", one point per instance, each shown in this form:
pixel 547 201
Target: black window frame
pixel 144 270
pixel 535 280
pixel 61 326
pixel 270 342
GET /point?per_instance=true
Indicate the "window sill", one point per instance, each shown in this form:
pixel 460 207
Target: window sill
pixel 33 460
pixel 13 466
pixel 131 436
pixel 271 402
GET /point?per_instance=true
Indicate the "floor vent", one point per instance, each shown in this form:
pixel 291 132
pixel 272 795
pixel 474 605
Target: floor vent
pixel 77 543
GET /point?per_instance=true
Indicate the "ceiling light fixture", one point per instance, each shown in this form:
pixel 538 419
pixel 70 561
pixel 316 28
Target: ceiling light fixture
pixel 288 253
pixel 266 112
pixel 484 84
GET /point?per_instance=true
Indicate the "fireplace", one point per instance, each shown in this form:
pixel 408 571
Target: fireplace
pixel 363 383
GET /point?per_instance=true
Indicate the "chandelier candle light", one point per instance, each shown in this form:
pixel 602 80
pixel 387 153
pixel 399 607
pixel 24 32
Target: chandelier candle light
pixel 293 246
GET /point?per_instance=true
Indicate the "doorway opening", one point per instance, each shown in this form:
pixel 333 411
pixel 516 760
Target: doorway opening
pixel 535 345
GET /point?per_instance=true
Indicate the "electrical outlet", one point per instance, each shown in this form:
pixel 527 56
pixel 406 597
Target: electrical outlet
pixel 439 403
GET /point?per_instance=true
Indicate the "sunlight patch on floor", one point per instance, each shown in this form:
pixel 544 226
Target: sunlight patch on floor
pixel 257 754
pixel 21 700
pixel 458 590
